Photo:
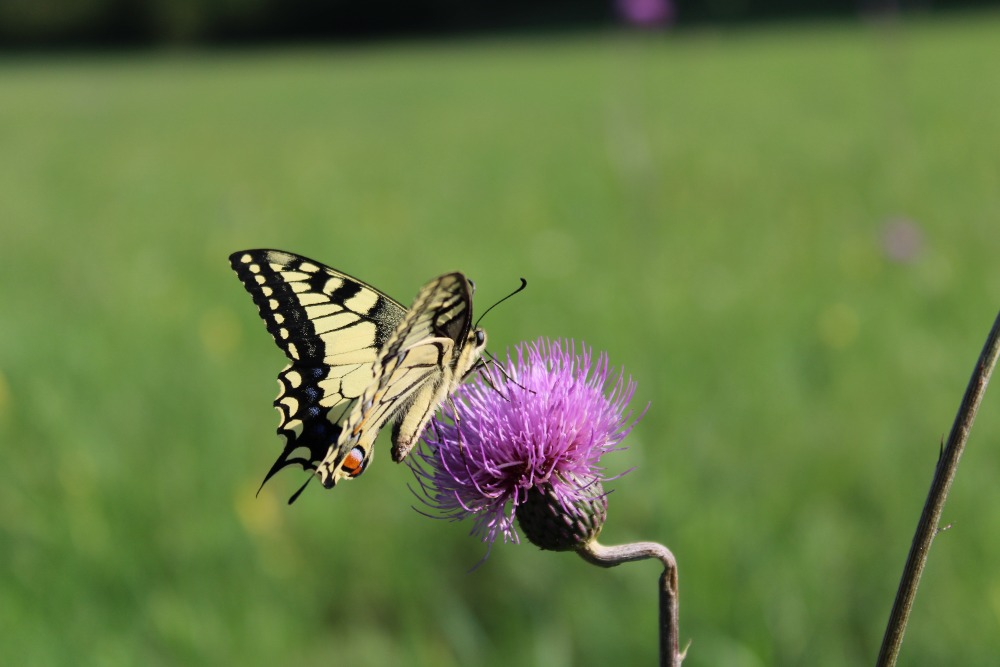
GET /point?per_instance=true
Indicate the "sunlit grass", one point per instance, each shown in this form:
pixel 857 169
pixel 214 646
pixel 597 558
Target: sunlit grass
pixel 710 208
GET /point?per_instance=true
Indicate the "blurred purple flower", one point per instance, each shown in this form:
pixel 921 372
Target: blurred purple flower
pixel 902 240
pixel 543 429
pixel 646 13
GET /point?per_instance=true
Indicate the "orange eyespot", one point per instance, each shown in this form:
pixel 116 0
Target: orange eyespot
pixel 354 463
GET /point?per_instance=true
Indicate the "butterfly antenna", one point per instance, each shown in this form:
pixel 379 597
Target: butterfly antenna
pixel 507 376
pixel 485 372
pixel 483 367
pixel 524 283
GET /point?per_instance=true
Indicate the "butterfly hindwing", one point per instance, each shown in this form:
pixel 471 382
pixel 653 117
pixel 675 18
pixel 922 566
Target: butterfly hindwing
pixel 331 327
pixel 422 362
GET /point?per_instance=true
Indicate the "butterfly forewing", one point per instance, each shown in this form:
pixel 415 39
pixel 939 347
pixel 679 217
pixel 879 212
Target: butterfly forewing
pixel 331 327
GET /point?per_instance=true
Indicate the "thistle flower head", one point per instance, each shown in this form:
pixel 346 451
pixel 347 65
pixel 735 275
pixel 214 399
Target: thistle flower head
pixel 529 445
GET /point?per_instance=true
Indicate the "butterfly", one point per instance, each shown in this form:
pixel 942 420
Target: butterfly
pixel 354 351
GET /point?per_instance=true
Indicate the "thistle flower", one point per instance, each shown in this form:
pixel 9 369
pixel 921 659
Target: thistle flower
pixel 529 446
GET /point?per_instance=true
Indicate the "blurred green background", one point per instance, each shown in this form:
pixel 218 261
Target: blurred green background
pixel 788 236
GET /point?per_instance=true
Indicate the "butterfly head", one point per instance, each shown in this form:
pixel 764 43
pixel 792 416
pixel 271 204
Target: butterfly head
pixel 477 339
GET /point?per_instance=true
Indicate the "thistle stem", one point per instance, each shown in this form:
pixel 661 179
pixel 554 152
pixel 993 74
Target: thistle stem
pixel 930 518
pixel 598 554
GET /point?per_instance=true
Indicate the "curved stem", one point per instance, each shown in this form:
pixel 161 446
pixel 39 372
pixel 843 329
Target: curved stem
pixel 603 556
pixel 927 527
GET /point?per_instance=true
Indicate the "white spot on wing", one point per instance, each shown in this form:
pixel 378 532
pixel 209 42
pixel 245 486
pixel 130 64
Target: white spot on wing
pixel 279 257
pixel 363 302
pixel 294 378
pixel 293 351
pixel 291 403
pixel 306 266
pixel 295 425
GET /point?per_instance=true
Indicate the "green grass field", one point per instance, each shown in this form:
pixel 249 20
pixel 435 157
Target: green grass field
pixel 710 208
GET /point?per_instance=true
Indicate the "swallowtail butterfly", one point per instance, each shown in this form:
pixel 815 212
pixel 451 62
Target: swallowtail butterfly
pixel 357 358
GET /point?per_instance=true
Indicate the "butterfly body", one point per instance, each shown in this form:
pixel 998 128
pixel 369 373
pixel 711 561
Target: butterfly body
pixel 355 351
